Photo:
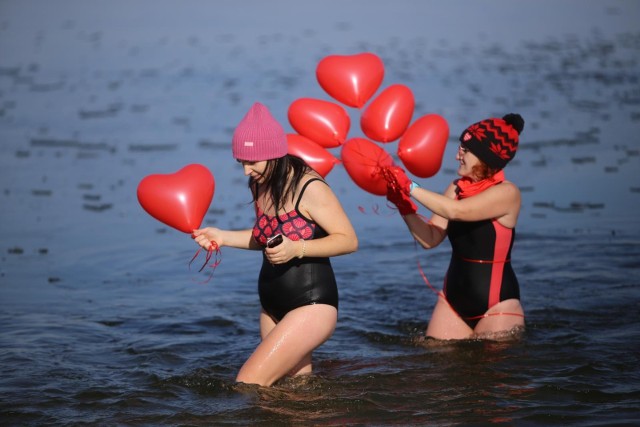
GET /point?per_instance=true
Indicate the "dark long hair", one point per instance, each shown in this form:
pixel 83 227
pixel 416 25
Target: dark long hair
pixel 277 182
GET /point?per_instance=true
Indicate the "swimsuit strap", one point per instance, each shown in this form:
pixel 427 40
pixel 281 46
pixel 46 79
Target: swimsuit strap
pixel 304 187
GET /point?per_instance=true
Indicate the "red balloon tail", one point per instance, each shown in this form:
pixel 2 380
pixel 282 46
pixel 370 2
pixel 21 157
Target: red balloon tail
pixel 375 209
pixel 392 208
pixel 213 250
pixel 423 275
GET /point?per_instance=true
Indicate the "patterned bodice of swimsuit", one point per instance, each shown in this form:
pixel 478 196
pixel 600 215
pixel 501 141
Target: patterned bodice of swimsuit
pixel 292 224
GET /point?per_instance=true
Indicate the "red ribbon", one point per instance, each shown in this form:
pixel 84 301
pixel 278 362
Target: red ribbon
pixel 213 249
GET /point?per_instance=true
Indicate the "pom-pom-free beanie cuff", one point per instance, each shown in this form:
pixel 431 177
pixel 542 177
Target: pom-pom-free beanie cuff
pixel 259 136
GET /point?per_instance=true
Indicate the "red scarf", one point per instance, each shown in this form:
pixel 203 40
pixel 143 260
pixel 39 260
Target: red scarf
pixel 468 188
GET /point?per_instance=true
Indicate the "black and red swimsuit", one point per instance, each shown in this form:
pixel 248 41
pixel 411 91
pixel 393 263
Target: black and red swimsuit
pixel 480 273
pixel 301 281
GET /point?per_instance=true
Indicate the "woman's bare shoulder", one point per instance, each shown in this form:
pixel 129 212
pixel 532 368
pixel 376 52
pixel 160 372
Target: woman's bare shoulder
pixel 509 186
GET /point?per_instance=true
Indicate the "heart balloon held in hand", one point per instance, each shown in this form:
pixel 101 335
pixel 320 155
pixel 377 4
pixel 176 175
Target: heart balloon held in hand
pixel 365 163
pixel 179 200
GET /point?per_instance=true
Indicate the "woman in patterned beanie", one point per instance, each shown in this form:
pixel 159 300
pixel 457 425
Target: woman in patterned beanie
pixel 299 225
pixel 478 213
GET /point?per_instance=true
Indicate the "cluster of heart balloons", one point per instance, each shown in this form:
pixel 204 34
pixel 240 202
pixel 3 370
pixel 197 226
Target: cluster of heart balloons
pixel 322 125
pixel 182 199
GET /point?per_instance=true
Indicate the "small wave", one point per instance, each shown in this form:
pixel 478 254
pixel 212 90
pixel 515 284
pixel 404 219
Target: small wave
pixel 71 143
pixel 152 147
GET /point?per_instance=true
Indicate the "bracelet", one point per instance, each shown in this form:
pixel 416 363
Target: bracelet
pixel 304 246
pixel 413 186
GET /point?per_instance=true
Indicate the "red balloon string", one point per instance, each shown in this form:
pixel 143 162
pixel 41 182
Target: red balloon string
pixel 213 249
pixel 375 210
pixel 388 177
pixel 391 182
pixel 374 162
pixel 441 295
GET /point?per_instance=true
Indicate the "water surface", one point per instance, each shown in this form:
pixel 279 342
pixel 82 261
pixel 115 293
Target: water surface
pixel 102 321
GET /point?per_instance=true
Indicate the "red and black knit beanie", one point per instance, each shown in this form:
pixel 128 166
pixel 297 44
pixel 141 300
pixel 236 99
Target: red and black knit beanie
pixel 494 141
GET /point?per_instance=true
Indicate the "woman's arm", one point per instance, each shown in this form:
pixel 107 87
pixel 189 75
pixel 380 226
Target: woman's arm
pixel 320 204
pixel 429 234
pixel 501 202
pixel 242 239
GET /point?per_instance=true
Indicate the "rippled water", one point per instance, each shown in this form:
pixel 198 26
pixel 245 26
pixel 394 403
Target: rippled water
pixel 103 323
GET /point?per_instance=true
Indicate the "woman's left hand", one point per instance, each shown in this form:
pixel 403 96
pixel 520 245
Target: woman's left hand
pixel 284 252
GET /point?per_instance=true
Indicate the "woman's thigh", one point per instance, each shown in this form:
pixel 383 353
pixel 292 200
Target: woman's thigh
pixel 288 342
pixel 504 316
pixel 445 324
pixel 266 324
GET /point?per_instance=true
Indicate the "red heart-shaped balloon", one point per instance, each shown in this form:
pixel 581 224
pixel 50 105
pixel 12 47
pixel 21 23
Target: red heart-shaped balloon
pixel 388 115
pixel 350 79
pixel 180 199
pixel 316 156
pixel 364 161
pixel 422 146
pixel 325 123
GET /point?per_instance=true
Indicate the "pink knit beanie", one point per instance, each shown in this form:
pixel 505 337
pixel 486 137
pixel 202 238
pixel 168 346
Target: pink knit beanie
pixel 259 136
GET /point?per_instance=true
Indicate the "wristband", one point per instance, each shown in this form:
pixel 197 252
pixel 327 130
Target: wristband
pixel 413 186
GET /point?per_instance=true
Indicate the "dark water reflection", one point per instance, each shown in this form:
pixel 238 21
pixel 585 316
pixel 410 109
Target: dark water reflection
pixel 156 352
pixel 103 323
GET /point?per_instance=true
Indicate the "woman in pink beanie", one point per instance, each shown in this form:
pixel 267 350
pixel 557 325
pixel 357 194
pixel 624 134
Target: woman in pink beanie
pixel 478 213
pixel 299 225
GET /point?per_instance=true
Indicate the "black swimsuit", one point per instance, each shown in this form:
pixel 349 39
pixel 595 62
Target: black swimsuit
pixel 480 274
pixel 301 281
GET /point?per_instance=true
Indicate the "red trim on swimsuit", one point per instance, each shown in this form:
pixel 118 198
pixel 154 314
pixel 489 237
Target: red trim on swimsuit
pixel 501 250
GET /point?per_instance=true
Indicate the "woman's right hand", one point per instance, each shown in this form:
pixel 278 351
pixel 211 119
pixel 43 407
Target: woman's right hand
pixel 205 236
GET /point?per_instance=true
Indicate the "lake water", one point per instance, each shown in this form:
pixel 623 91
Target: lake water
pixel 103 323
